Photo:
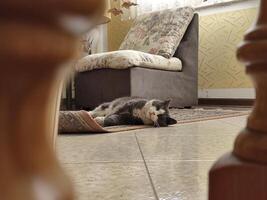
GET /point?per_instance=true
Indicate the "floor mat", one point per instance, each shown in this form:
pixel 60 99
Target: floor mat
pixel 82 122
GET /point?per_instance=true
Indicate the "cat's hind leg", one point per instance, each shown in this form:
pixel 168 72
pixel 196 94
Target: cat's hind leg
pixel 113 120
pixel 100 111
pixel 100 120
pixel 121 119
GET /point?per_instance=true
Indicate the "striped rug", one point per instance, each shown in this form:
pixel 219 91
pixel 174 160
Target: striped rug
pixel 82 122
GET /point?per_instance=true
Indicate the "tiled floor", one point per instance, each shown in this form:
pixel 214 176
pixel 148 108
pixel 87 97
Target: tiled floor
pixel 151 164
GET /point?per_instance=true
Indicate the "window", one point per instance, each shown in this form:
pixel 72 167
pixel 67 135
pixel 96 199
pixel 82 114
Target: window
pixel 152 5
pixel 145 6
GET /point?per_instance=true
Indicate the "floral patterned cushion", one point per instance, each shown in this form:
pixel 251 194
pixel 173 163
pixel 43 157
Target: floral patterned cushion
pixel 159 32
pixel 125 59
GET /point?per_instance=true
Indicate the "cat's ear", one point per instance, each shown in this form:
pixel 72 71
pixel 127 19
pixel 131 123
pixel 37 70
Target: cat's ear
pixel 167 103
pixel 171 121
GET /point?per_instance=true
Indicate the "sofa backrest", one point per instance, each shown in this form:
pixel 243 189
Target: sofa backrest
pixel 187 51
pixel 158 32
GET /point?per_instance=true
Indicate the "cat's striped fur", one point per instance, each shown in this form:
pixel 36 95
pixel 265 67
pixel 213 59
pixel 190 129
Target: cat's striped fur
pixel 133 111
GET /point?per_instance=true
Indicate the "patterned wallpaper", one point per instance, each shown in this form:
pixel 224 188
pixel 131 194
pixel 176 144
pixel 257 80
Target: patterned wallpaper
pixel 219 36
pixel 117 30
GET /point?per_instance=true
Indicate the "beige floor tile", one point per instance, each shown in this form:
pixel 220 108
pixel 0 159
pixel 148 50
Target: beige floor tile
pixel 110 166
pixel 237 121
pixel 180 180
pixel 102 147
pixel 110 181
pixel 165 145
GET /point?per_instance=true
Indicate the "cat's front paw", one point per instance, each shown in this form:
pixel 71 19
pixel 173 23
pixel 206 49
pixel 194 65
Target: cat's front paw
pixel 156 125
pixel 92 114
pixel 100 120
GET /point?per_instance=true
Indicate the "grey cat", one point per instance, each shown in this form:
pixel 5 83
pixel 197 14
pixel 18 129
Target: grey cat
pixel 133 111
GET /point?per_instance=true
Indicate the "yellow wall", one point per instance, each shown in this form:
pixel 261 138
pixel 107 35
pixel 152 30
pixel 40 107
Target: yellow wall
pixel 117 30
pixel 219 36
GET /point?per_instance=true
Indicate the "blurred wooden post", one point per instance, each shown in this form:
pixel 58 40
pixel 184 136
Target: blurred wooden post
pixel 36 38
pixel 242 175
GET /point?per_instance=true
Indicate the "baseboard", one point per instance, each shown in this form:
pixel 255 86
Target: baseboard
pixel 227 93
pixel 225 102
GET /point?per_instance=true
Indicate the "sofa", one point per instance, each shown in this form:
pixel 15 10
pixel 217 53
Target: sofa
pixel 181 87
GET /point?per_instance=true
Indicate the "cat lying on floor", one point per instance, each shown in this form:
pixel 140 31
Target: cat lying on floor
pixel 133 111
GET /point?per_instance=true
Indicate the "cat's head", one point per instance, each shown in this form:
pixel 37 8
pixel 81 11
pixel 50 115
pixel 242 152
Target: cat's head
pixel 162 112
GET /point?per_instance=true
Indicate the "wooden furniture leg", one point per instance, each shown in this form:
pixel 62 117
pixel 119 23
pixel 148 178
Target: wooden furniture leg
pixel 36 38
pixel 242 174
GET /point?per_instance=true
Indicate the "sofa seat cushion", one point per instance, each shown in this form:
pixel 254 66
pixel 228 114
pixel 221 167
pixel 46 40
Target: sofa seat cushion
pixel 124 59
pixel 159 32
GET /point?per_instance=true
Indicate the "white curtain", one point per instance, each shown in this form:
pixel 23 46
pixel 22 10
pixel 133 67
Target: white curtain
pixel 145 6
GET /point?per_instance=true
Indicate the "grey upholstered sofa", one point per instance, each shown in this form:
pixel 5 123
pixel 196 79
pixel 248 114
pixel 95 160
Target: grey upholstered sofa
pixel 181 87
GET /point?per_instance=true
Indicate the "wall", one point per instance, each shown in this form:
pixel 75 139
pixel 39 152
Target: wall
pixel 219 36
pixel 117 30
pixel 220 74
